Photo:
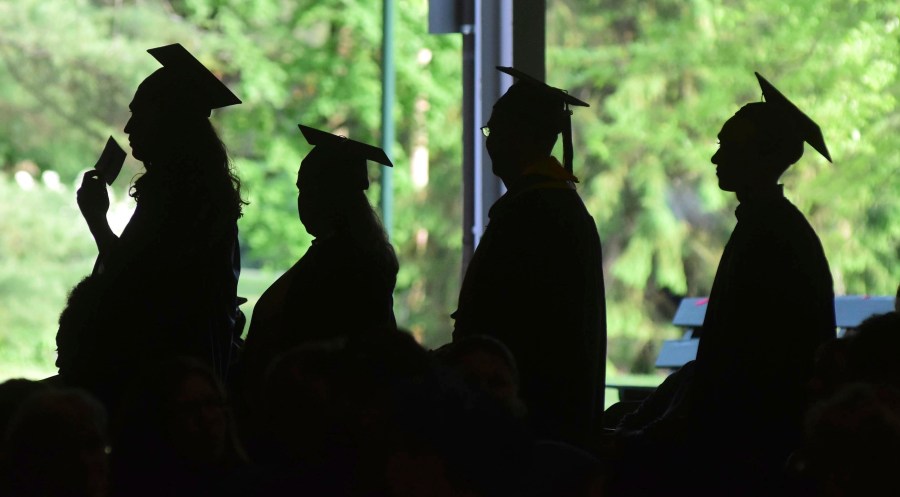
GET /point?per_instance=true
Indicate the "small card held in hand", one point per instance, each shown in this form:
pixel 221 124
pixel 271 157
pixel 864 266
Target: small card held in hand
pixel 110 162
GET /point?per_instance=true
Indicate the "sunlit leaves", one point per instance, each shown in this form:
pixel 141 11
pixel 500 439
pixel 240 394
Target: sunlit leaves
pixel 662 77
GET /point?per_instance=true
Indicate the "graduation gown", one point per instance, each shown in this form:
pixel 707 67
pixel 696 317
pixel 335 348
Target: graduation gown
pixel 337 288
pixel 168 288
pixel 770 308
pixel 535 283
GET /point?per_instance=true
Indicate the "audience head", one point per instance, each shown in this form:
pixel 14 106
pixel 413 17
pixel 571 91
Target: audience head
pixel 302 416
pixel 853 442
pixel 432 436
pixel 12 394
pixel 872 350
pixel 176 415
pixel 897 300
pixel 487 366
pixel 56 444
pixel 79 307
pixel 385 372
pixel 831 368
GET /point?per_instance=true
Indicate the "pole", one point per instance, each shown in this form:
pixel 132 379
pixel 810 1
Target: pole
pixel 387 115
pixel 469 129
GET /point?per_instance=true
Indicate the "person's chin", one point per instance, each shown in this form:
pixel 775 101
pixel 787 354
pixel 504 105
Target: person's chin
pixel 136 153
pixel 500 169
pixel 725 186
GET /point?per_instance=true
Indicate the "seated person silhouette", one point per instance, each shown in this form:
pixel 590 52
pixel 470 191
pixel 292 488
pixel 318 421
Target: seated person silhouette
pixel 535 281
pixel 344 283
pixel 487 367
pixel 56 444
pixel 167 286
pixel 174 434
pixel 772 301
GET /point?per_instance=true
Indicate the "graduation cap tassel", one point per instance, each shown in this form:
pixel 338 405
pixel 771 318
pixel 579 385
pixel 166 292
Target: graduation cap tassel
pixel 567 143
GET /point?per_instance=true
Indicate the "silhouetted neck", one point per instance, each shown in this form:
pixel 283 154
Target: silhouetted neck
pixel 325 236
pixel 761 194
pixel 759 202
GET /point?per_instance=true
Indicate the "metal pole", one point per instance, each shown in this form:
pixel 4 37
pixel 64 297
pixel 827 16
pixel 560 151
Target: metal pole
pixel 469 131
pixel 493 47
pixel 387 114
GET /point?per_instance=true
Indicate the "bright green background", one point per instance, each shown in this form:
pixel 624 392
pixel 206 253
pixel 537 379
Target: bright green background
pixel 661 77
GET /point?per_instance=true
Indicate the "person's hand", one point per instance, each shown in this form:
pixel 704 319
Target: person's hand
pixel 92 197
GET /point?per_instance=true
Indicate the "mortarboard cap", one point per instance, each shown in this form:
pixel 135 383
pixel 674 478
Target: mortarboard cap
pixel 197 84
pixel 344 163
pixel 544 104
pixel 551 92
pixel 804 127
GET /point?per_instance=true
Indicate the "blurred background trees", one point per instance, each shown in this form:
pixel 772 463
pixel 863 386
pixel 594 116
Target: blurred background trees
pixel 661 77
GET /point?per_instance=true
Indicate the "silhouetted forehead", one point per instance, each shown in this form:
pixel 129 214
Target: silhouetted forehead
pixel 530 102
pixel 331 168
pixel 739 130
pixel 160 87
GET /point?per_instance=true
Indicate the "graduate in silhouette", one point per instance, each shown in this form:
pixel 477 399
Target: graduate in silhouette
pixel 535 281
pixel 772 301
pixel 167 286
pixel 344 283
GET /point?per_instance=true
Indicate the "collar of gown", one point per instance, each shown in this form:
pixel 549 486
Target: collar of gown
pixel 549 167
pixel 546 172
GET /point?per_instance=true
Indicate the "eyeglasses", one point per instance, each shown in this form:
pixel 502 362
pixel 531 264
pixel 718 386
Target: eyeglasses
pixel 486 131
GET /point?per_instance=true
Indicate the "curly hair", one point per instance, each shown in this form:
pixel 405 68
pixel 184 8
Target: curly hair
pixel 197 164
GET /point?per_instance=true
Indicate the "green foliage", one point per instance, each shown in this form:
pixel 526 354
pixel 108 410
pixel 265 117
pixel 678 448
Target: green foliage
pixel 330 78
pixel 661 77
pixel 73 67
pixel 41 257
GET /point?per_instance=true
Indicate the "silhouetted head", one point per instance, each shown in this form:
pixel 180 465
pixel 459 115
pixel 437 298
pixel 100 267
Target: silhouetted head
pixel 57 445
pixel 13 393
pixel 853 442
pixel 830 368
pixel 330 190
pixel 755 148
pixel 172 101
pixel 78 310
pixel 164 119
pixel 176 414
pixel 331 186
pixel 486 365
pixel 523 128
pixel 763 139
pixel 302 416
pixel 525 123
pixel 170 132
pixel 872 350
